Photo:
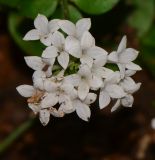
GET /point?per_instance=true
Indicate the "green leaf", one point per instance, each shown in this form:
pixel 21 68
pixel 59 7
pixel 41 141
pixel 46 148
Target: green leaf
pixel 142 17
pixel 95 6
pixel 31 47
pixel 10 3
pixel 148 50
pixel 74 14
pixel 31 8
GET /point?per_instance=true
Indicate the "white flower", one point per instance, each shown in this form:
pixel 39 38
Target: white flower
pixel 40 64
pixel 82 107
pixel 85 49
pixel 123 57
pixel 111 89
pixel 43 30
pixel 57 50
pixel 130 87
pixel 83 80
pixel 75 30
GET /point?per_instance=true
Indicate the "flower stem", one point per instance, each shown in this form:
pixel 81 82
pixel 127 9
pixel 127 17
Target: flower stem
pixel 64 6
pixel 5 144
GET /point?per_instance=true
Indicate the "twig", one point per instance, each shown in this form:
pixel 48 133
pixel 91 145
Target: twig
pixel 64 6
pixel 4 145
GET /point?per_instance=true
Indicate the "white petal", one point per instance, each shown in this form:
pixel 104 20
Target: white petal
pixel 87 40
pixel 85 72
pixel 44 116
pixel 68 27
pixel 38 74
pixel 127 101
pixel 97 52
pixel 34 62
pixel 49 101
pixel 32 35
pixel 116 106
pixel 128 55
pixel 50 52
pixel 121 69
pixel 133 66
pixel 100 61
pixel 63 59
pixel 122 45
pixel 53 25
pixel 73 79
pixel 113 77
pixel 85 59
pixel 91 97
pixel 83 89
pixel 82 110
pixel 96 82
pixel 129 73
pixel 26 90
pixel 115 91
pixel 103 72
pixel 72 46
pixel 50 86
pixel 104 99
pixel 58 39
pixel 57 113
pixel 35 108
pixel 113 57
pixel 46 40
pixel 82 25
pixel 41 23
pixel 66 104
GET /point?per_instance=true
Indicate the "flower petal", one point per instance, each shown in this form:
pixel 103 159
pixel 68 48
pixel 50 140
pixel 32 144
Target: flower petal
pixel 73 79
pixel 96 82
pixel 53 25
pixel 35 108
pixel 82 25
pixel 133 66
pixel 97 52
pixel 83 89
pixel 128 55
pixel 63 59
pixel 46 40
pixel 115 91
pixel 82 110
pixel 122 45
pixel 87 40
pixel 41 23
pixel 91 97
pixel 58 39
pixel 34 62
pixel 26 90
pixel 85 59
pixel 72 46
pixel 116 106
pixel 127 101
pixel 121 69
pixel 68 27
pixel 50 52
pixel 84 71
pixel 44 116
pixel 56 113
pixel 113 57
pixel 32 35
pixel 104 99
pixel 49 101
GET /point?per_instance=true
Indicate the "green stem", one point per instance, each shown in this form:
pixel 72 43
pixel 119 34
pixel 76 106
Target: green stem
pixel 4 145
pixel 64 6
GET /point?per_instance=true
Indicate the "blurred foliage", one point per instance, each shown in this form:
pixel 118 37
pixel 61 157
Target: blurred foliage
pixel 139 16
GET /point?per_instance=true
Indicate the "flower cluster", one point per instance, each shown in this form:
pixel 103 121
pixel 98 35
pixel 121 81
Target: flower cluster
pixel 72 69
